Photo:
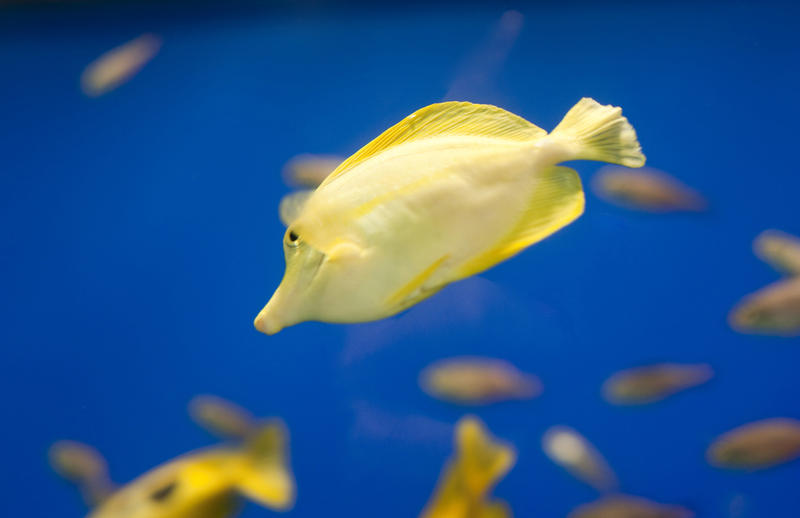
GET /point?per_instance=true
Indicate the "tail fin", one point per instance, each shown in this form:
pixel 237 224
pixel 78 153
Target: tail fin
pixel 600 133
pixel 264 475
pixel 85 467
pixel 481 460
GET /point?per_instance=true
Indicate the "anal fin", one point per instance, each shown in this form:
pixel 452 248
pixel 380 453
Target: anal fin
pixel 415 291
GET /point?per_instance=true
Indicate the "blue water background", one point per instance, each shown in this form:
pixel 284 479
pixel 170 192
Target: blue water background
pixel 140 237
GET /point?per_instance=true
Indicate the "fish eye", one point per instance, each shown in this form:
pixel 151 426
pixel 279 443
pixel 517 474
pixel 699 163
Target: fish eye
pixel 292 238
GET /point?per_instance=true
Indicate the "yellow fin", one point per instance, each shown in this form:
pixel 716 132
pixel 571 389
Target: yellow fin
pixel 409 295
pixel 495 509
pixel 264 475
pixel 556 201
pixel 446 119
pixel 482 461
pixel 291 205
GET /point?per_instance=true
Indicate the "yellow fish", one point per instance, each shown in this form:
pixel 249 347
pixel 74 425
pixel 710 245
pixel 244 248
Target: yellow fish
pixel 467 479
pixel 208 483
pixel 449 191
pixel 757 445
pixel 651 383
pixel 478 381
pixel 574 453
pixel 779 250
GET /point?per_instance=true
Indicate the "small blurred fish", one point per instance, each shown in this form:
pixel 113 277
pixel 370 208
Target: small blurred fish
pixel 207 483
pixel 470 475
pixel 757 445
pixel 119 65
pixel 645 189
pixel 652 383
pixel 772 310
pixel 623 506
pixel 477 381
pixel 450 191
pixel 574 453
pixel 309 170
pixel 779 250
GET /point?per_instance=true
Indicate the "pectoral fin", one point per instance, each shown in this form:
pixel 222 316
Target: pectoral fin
pixel 556 200
pixel 415 290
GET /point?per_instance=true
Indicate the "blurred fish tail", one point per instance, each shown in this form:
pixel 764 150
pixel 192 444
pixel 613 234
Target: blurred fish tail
pixel 264 475
pixel 483 461
pixel 596 132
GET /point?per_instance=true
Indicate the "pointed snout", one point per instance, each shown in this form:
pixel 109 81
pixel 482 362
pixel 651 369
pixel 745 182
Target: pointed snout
pixel 267 321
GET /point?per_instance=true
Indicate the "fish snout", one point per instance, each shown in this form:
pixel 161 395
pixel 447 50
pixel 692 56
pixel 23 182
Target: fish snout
pixel 268 321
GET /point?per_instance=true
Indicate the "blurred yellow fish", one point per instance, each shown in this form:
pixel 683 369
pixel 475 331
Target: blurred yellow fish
pixel 652 383
pixel 208 483
pixel 772 310
pixel 118 65
pixel 469 476
pixel 449 191
pixel 645 189
pixel 623 506
pixel 309 170
pixel 780 250
pixel 574 453
pixel 478 381
pixel 757 445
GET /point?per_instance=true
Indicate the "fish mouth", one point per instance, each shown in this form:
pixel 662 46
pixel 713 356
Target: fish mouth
pixel 291 300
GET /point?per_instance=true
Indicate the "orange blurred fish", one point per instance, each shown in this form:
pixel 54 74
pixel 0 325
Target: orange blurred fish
pixel 652 383
pixel 645 189
pixel 477 381
pixel 623 506
pixel 307 170
pixel 574 453
pixel 779 250
pixel 772 310
pixel 119 65
pixel 757 445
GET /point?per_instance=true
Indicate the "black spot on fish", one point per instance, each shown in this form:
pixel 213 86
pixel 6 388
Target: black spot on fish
pixel 162 493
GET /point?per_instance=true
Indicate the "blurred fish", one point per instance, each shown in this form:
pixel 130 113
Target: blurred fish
pixel 757 445
pixel 448 192
pixel 623 506
pixel 645 189
pixel 474 78
pixel 772 310
pixel 377 424
pixel 477 381
pixel 119 65
pixel 470 475
pixel 652 383
pixel 574 453
pixel 779 250
pixel 309 170
pixel 223 418
pixel 207 483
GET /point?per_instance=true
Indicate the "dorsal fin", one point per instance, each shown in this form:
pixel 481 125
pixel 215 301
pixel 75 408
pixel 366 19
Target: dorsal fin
pixel 446 119
pixel 556 201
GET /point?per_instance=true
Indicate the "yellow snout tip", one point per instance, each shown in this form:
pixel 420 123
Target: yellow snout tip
pixel 267 323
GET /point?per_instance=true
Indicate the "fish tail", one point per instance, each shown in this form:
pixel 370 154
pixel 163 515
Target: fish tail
pixel 596 132
pixel 483 460
pixel 264 475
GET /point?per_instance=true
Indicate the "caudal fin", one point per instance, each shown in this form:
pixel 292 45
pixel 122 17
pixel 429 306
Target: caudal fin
pixel 597 132
pixel 481 460
pixel 264 475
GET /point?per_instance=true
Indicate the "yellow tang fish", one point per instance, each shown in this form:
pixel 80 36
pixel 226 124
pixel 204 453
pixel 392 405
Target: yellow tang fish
pixel 469 476
pixel 208 483
pixel 446 193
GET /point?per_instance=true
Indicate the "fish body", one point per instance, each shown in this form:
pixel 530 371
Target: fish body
pixel 119 65
pixel 651 383
pixel 646 189
pixel 464 486
pixel 208 483
pixel 772 310
pixel 448 192
pixel 780 250
pixel 757 445
pixel 623 506
pixel 570 450
pixel 478 381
